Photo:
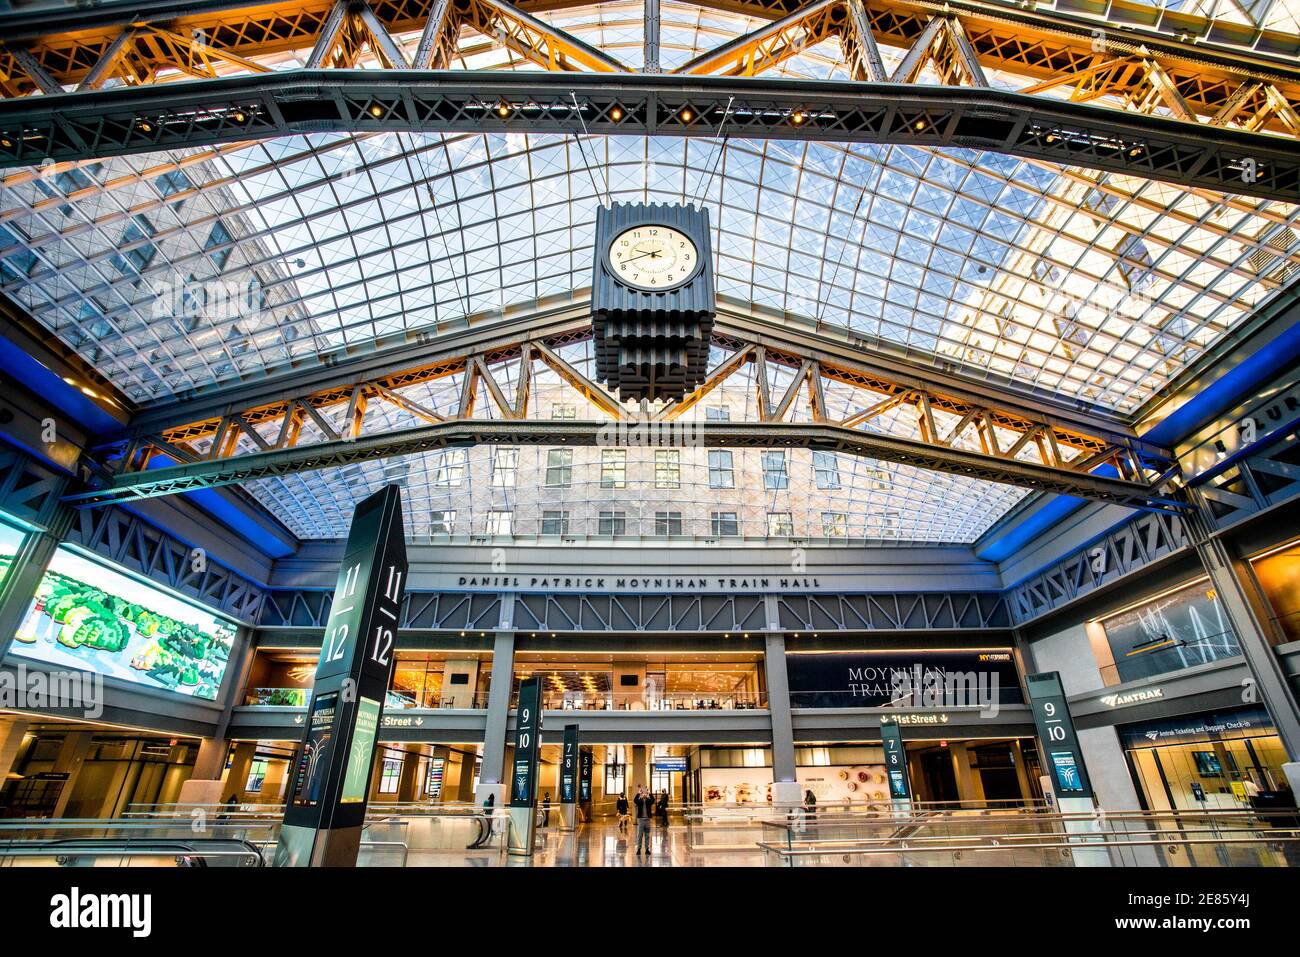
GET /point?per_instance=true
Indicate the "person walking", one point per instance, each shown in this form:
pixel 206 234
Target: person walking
pixel 645 804
pixel 620 807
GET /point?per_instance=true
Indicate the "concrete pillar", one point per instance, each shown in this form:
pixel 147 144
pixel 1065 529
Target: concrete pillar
pixel 240 762
pixel 1022 774
pixel 459 696
pixel 71 756
pixel 1247 609
pixel 969 788
pixel 12 732
pixel 637 773
pixel 498 715
pixel 785 784
pixel 204 785
pixel 465 784
pixel 409 781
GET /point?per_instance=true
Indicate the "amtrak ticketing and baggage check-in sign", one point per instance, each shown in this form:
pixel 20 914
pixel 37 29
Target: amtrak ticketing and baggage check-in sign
pixel 331 777
pixel 1061 757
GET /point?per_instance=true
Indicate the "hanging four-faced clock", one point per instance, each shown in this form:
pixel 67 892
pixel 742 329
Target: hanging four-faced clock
pixel 652 299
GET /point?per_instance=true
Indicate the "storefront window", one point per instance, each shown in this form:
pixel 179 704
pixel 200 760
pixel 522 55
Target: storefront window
pixel 1221 760
pixel 1179 630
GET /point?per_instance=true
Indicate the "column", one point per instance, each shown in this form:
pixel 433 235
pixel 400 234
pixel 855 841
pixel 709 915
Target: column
pixel 464 783
pixel 785 785
pixel 1022 774
pixel 204 785
pixel 408 782
pixel 498 714
pixel 240 762
pixel 1245 606
pixel 636 771
pixel 969 787
pixel 71 756
pixel 12 732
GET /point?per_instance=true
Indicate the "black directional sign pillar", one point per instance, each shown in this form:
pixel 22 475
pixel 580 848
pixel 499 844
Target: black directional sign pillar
pixel 331 776
pixel 900 785
pixel 523 772
pixel 569 778
pixel 586 764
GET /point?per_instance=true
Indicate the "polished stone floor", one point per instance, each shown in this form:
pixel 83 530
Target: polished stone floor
pixel 599 845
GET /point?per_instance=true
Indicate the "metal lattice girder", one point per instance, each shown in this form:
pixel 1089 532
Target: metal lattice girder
pixel 118 122
pixel 210 473
pixel 272 415
pixel 770 45
pixel 1127 68
pixel 534 39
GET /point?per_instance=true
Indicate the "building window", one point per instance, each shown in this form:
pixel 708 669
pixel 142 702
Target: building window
pixel 505 465
pixel 779 524
pixel 612 523
pixel 450 470
pixel 613 468
pixel 717 414
pixel 668 468
pixel 256 775
pixel 441 522
pixel 720 471
pixel 390 775
pixel 555 522
pixel 826 470
pixel 724 523
pixel 774 473
pixel 668 523
pixel 559 468
pixel 500 521
pixel 563 410
pixel 835 524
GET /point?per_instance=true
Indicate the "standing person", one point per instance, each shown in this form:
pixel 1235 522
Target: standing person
pixel 620 806
pixel 645 803
pixel 546 809
pixel 809 807
pixel 661 809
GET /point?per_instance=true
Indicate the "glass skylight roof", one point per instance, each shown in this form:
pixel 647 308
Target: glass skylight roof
pixel 183 271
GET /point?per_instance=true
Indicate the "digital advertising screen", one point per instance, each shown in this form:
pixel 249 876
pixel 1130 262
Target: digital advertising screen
pixel 89 617
pixel 363 745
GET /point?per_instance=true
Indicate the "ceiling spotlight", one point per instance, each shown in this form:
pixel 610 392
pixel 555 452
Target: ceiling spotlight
pixel 1051 137
pixel 1134 151
pixel 240 116
pixel 6 142
pixel 686 116
pixel 799 117
pixel 920 124
pixel 376 110
pixel 616 114
pixel 146 126
pixel 503 109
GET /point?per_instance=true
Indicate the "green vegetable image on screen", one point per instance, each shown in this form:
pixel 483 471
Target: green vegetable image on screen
pixel 90 617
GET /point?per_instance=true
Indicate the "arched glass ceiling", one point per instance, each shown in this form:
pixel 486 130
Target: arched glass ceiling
pixel 184 271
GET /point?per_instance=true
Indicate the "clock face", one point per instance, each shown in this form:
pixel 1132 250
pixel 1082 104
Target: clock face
pixel 653 257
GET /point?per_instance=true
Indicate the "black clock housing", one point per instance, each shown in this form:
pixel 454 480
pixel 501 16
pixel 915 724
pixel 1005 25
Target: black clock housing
pixel 652 344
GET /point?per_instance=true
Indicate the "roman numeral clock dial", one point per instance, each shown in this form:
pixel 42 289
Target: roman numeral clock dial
pixel 653 257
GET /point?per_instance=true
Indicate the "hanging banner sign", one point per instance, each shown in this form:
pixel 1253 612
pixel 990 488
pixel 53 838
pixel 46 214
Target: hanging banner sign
pixel 569 766
pixel 327 802
pixel 891 736
pixel 1062 758
pixel 528 733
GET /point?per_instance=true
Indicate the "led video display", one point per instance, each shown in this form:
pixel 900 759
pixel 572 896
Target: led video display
pixel 89 617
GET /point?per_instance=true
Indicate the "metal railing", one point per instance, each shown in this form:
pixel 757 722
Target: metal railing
pixel 1034 837
pixel 128 852
pixel 666 701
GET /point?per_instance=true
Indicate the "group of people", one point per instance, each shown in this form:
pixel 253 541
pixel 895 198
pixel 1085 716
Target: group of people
pixel 649 806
